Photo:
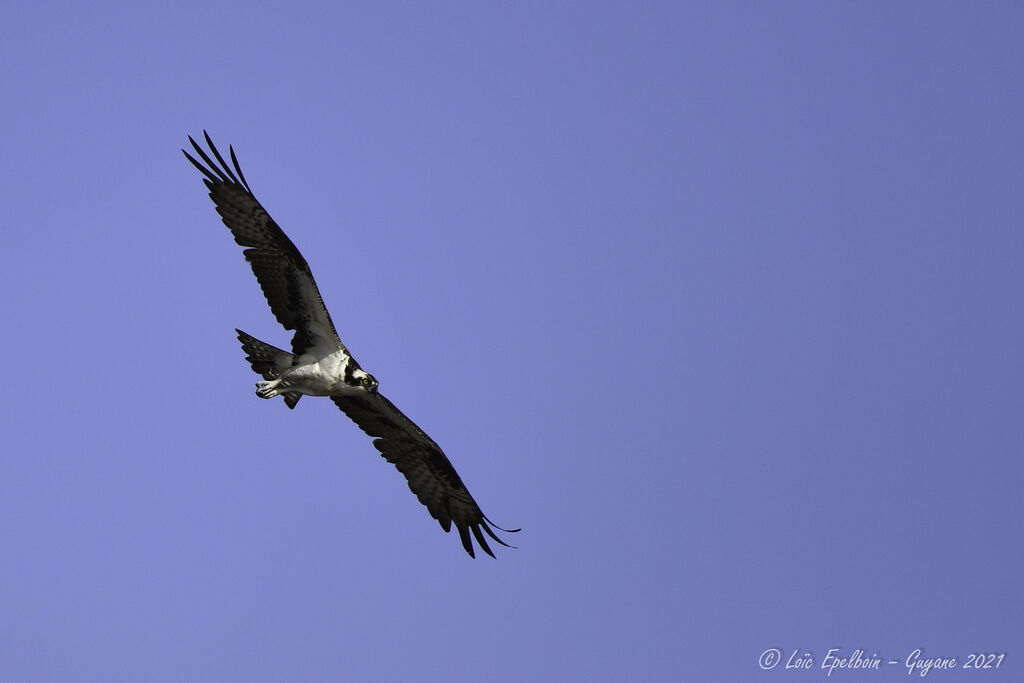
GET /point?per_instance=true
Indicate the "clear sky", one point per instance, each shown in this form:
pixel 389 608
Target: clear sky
pixel 719 302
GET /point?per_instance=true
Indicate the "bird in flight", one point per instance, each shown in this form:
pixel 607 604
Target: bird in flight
pixel 320 365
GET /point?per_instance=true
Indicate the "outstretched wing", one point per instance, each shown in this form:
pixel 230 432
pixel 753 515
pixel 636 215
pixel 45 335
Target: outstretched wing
pixel 429 473
pixel 282 272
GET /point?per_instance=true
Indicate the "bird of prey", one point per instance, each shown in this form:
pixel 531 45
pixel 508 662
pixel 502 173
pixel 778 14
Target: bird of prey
pixel 320 365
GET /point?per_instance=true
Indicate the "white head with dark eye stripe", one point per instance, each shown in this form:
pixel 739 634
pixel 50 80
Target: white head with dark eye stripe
pixel 364 380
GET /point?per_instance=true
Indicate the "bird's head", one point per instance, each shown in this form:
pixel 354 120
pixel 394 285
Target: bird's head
pixel 365 380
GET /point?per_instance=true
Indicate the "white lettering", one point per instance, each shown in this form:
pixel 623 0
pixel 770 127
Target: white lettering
pixel 795 661
pixel 922 666
pixel 855 661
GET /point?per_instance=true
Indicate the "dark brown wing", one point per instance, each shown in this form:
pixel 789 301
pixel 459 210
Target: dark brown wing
pixel 429 473
pixel 282 272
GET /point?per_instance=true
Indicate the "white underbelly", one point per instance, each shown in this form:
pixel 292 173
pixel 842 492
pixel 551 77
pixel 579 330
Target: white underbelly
pixel 316 377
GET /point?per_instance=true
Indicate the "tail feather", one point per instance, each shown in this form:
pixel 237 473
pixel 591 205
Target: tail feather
pixel 267 361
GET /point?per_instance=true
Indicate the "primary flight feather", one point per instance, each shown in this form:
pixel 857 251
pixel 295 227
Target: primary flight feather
pixel 320 365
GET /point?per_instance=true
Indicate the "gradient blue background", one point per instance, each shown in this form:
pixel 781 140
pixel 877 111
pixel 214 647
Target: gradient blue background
pixel 720 302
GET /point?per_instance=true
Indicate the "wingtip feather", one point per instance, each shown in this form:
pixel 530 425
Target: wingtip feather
pixel 238 168
pixel 481 540
pixel 466 542
pixel 223 164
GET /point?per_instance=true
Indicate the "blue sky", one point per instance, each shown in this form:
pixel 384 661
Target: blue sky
pixel 719 302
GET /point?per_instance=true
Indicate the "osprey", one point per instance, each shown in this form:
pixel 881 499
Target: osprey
pixel 320 365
